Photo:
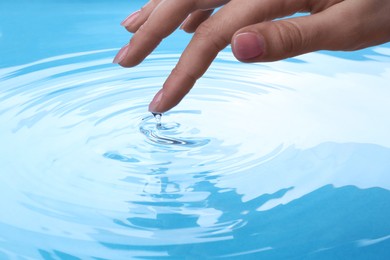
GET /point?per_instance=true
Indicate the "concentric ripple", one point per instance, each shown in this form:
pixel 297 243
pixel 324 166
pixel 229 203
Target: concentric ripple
pixel 88 172
pixel 165 133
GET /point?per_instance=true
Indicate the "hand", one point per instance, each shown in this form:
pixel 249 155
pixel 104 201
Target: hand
pixel 250 27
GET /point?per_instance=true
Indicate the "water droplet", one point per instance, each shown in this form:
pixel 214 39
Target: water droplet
pixel 157 116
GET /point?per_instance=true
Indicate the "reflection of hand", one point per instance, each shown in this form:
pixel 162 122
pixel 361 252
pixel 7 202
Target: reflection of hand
pixel 248 26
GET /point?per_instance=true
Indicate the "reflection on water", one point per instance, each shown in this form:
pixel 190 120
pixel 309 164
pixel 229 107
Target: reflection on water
pixel 274 161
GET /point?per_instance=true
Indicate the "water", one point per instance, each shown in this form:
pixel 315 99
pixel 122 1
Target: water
pixel 284 160
pixel 157 116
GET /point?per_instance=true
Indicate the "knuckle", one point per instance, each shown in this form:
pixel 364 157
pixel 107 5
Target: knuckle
pixel 150 34
pixel 291 36
pixel 209 33
pixel 204 30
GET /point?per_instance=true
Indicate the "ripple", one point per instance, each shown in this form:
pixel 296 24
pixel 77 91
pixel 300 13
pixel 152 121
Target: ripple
pixel 164 133
pixel 84 163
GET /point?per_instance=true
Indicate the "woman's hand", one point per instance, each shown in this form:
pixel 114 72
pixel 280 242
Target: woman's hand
pixel 249 26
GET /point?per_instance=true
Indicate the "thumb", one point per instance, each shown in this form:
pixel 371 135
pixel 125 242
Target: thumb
pixel 276 40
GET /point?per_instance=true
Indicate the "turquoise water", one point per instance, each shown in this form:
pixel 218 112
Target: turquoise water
pixel 283 160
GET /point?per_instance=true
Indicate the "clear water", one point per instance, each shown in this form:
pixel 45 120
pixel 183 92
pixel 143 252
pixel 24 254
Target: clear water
pixel 284 160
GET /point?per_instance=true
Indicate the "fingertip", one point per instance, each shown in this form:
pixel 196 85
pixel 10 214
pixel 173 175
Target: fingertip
pixel 128 21
pixel 248 46
pixel 187 28
pixel 126 57
pixel 175 88
pixel 184 25
pixel 121 55
pixel 154 106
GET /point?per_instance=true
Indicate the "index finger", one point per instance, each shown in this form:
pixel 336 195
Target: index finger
pixel 210 38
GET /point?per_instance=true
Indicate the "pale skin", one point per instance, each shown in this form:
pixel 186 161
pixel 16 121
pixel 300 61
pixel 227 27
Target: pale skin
pixel 250 28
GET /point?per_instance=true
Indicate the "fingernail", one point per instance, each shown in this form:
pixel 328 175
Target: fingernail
pixel 156 100
pixel 121 54
pixel 130 19
pixel 248 45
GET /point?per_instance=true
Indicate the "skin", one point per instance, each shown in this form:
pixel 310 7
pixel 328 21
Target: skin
pixel 249 26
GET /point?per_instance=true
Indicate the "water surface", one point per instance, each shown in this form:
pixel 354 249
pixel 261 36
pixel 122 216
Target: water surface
pixel 283 160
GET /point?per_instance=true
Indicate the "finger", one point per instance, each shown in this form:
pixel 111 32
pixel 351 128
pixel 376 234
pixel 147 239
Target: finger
pixel 138 18
pixel 195 19
pixel 165 18
pixel 337 28
pixel 211 37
